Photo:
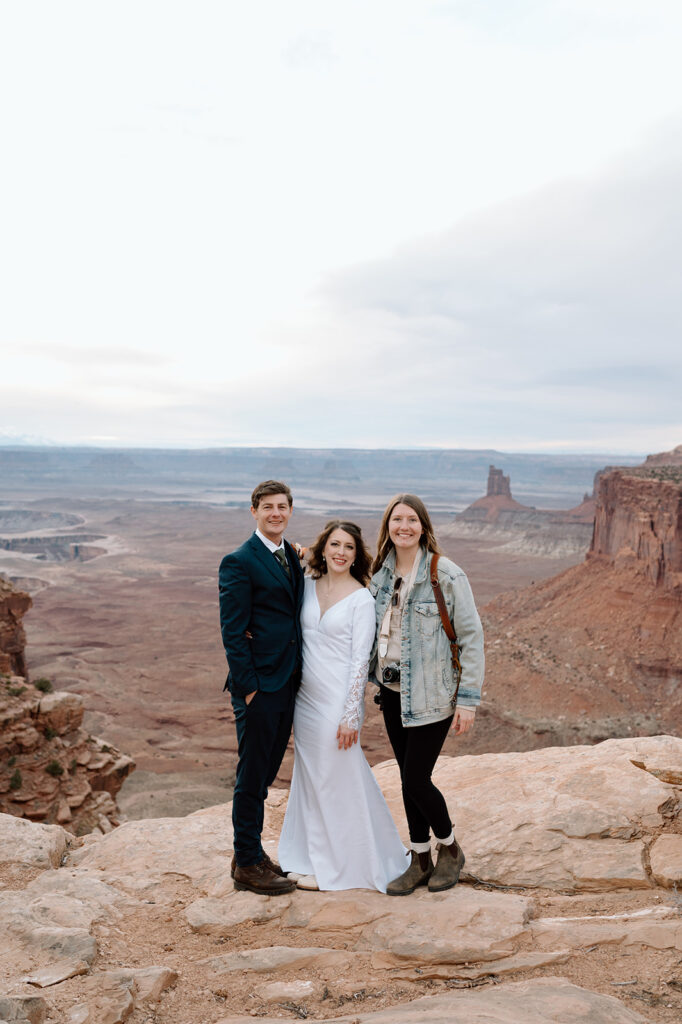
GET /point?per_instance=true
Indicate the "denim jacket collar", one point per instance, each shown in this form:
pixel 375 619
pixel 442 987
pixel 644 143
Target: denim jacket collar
pixel 422 571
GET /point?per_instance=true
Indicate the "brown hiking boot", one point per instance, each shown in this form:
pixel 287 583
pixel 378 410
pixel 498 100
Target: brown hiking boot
pixel 272 864
pixel 259 878
pixel 418 873
pixel 449 863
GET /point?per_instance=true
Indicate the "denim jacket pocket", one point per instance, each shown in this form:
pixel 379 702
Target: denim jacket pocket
pixel 427 618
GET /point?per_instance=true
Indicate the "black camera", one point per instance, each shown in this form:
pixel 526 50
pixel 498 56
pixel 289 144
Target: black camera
pixel 391 674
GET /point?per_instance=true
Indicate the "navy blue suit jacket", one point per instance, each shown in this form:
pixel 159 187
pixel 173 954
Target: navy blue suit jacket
pixel 260 617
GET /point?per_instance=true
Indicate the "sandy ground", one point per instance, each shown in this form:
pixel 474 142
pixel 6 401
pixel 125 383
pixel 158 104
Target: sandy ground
pixel 646 980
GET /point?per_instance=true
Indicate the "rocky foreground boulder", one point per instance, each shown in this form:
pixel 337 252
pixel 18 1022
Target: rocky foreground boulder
pixel 51 769
pixel 571 910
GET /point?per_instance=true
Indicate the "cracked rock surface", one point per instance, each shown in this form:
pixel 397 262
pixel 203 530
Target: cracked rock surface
pixel 566 914
pixel 563 818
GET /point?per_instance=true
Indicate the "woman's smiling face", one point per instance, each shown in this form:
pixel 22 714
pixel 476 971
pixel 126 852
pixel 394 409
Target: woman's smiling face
pixel 404 527
pixel 339 551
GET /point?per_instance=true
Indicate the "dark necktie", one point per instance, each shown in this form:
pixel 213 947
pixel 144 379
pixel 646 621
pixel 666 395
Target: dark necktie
pixel 282 559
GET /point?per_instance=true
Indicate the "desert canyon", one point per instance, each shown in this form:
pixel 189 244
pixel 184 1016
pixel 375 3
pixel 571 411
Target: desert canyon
pixel 116 901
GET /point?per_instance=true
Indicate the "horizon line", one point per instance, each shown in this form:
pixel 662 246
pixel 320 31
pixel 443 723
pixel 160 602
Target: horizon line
pixel 80 446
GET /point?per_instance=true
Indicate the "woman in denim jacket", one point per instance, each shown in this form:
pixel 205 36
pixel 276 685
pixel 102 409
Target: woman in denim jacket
pixel 412 666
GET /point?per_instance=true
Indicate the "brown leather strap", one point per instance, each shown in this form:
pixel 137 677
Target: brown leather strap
pixel 447 625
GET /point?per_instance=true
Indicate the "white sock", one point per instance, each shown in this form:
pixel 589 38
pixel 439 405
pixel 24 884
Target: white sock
pixel 447 842
pixel 421 847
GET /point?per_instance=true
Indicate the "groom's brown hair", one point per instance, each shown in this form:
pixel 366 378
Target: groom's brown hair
pixel 270 487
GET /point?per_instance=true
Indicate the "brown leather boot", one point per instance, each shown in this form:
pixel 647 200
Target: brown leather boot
pixel 259 878
pixel 449 863
pixel 272 864
pixel 418 873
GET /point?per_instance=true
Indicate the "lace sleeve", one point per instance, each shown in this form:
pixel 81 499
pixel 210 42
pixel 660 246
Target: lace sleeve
pixel 363 630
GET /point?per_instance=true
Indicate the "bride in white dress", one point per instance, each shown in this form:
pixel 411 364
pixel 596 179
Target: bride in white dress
pixel 338 832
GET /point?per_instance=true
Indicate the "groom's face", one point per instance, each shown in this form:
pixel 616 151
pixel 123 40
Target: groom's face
pixel 272 515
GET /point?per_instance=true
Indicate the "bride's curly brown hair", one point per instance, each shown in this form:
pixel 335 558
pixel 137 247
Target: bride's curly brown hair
pixel 361 565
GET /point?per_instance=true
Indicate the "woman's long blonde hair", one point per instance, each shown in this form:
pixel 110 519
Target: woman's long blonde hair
pixel 428 538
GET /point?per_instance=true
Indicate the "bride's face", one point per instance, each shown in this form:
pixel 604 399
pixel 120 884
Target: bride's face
pixel 339 552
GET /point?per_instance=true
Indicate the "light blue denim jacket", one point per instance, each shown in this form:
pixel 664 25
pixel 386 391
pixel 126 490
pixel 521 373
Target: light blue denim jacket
pixel 427 683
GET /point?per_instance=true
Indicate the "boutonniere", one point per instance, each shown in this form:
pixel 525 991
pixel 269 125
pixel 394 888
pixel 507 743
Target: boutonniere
pixel 300 551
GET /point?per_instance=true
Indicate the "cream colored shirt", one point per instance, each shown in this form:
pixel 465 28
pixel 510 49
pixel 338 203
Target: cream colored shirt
pixel 395 625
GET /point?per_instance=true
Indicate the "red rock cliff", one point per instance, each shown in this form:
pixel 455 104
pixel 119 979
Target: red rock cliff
pixel 639 519
pixel 13 606
pixel 597 650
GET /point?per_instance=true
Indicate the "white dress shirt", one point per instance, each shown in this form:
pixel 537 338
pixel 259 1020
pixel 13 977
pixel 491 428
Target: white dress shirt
pixel 269 544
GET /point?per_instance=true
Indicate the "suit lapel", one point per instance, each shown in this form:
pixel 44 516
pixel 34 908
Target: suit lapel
pixel 270 562
pixel 295 566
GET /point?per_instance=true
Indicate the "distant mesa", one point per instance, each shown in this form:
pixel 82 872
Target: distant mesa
pixel 555 533
pixel 42 541
pixel 277 469
pixel 340 469
pixel 671 458
pixel 70 547
pixel 115 463
pixel 498 499
pixel 365 477
pixel 20 520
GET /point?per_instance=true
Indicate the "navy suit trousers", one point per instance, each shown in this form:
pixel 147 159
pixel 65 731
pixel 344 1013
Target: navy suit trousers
pixel 263 731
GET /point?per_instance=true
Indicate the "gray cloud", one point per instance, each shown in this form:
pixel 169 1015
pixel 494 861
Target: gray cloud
pixel 96 356
pixel 616 377
pixel 514 308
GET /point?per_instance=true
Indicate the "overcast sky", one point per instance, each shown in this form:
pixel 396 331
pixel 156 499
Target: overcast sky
pixel 319 223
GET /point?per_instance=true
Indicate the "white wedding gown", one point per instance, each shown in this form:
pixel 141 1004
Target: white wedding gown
pixel 337 825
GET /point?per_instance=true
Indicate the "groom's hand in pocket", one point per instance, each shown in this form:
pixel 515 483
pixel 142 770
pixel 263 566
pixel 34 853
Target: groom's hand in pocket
pixel 346 737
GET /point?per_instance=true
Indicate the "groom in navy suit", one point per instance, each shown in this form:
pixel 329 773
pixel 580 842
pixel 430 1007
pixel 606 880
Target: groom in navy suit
pixel 261 591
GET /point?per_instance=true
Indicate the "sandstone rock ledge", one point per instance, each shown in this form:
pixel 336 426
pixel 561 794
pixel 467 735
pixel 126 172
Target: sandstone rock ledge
pixel 51 770
pixel 573 856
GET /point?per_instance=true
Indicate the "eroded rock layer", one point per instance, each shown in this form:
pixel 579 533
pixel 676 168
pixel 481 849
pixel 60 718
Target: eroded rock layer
pixel 51 769
pixel 639 521
pixel 13 606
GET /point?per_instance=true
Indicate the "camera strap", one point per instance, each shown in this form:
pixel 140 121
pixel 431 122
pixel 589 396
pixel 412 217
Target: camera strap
pixel 385 630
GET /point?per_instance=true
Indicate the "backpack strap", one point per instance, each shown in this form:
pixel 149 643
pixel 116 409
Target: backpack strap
pixel 447 626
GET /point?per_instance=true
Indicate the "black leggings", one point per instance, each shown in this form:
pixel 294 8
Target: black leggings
pixel 416 750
